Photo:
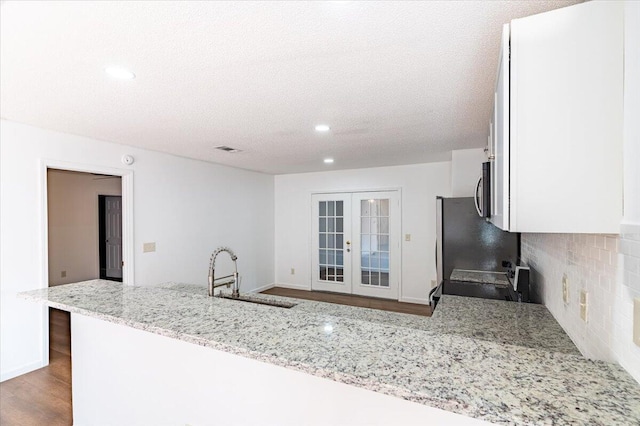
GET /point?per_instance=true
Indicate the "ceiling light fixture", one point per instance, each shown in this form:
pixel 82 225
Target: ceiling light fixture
pixel 120 73
pixel 228 149
pixel 328 160
pixel 322 128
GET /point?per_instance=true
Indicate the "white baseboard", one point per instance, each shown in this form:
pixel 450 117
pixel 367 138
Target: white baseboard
pixel 293 286
pixel 263 288
pixel 22 370
pixel 416 300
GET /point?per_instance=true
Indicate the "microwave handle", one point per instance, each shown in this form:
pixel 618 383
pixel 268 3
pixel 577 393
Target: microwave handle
pixel 476 197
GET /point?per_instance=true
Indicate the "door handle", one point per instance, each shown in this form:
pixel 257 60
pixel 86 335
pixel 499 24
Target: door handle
pixel 348 246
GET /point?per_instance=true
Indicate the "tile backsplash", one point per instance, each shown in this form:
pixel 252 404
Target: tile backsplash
pixel 607 267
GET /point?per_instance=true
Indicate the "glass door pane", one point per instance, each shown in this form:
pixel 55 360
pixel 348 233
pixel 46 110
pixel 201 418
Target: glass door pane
pixel 374 242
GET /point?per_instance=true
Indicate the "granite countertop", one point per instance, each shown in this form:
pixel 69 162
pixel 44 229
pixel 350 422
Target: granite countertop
pixel 480 277
pixel 468 358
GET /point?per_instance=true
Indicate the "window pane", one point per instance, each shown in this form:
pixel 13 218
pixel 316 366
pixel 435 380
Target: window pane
pixel 365 277
pixel 323 273
pixel 375 225
pixel 323 224
pixel 375 278
pixel 384 225
pixel 384 207
pixel 365 243
pixel 364 225
pixel 323 208
pixel 365 259
pixel 384 279
pixel 339 208
pixel 332 210
pixel 339 241
pixel 331 257
pixel 339 224
pixel 374 205
pixel 383 241
pixel 339 258
pixel 364 208
pixel 331 224
pixel 331 241
pixel 375 261
pixel 322 238
pixel 323 257
pixel 374 243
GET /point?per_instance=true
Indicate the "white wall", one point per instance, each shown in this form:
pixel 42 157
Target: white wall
pixel 466 168
pixel 73 223
pixel 187 207
pixel 608 267
pixel 420 184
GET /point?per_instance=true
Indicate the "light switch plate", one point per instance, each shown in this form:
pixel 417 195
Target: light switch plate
pixel 148 247
pixel 636 321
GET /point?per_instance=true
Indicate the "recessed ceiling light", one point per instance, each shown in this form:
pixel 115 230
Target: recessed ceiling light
pixel 328 160
pixel 120 73
pixel 322 128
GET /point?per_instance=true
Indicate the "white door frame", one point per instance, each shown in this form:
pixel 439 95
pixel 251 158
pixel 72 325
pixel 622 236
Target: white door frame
pixel 127 228
pixel 351 191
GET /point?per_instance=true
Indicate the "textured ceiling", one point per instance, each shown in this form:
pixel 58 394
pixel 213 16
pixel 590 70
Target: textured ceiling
pixel 398 83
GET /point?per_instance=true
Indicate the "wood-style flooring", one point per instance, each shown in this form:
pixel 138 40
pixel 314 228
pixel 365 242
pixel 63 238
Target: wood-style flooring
pixel 352 300
pixel 43 397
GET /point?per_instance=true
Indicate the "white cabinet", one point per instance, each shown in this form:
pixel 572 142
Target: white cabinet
pixel 557 136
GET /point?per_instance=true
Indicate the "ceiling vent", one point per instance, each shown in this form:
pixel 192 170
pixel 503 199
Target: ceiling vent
pixel 228 149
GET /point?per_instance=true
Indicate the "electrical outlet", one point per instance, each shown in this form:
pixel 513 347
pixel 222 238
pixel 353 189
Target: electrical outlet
pixel 293 271
pixel 407 237
pixel 584 304
pixel 636 321
pixel 63 274
pixel 565 289
pixel 148 247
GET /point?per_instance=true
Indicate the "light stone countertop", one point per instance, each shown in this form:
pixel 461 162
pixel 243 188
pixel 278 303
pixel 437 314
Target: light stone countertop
pixel 498 361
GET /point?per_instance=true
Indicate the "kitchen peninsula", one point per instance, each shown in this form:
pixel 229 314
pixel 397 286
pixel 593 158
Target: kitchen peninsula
pixel 173 355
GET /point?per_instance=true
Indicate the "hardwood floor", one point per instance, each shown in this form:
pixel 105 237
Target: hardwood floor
pixel 352 300
pixel 43 397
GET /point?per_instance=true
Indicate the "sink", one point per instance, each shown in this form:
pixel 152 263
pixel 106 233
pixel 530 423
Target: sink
pixel 260 301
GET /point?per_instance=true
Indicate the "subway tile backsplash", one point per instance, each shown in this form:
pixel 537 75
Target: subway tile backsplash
pixel 608 268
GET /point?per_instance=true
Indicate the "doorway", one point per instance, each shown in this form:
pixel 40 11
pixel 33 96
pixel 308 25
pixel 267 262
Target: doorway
pixel 356 243
pixel 110 237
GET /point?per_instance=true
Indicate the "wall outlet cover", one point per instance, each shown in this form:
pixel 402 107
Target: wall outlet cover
pixel 584 305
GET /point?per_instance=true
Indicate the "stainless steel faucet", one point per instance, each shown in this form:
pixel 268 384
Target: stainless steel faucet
pixel 212 267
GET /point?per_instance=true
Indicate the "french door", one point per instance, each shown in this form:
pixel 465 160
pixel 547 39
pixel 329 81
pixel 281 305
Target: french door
pixel 356 243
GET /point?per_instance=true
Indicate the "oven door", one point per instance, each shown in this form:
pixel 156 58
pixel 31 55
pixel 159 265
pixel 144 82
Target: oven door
pixel 482 196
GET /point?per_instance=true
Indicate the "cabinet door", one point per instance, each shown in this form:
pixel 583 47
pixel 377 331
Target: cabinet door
pixel 500 173
pixel 566 120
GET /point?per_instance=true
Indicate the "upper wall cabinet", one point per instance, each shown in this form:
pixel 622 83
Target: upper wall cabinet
pixel 557 122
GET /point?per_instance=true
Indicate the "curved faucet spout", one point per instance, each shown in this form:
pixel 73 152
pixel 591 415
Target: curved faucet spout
pixel 212 267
